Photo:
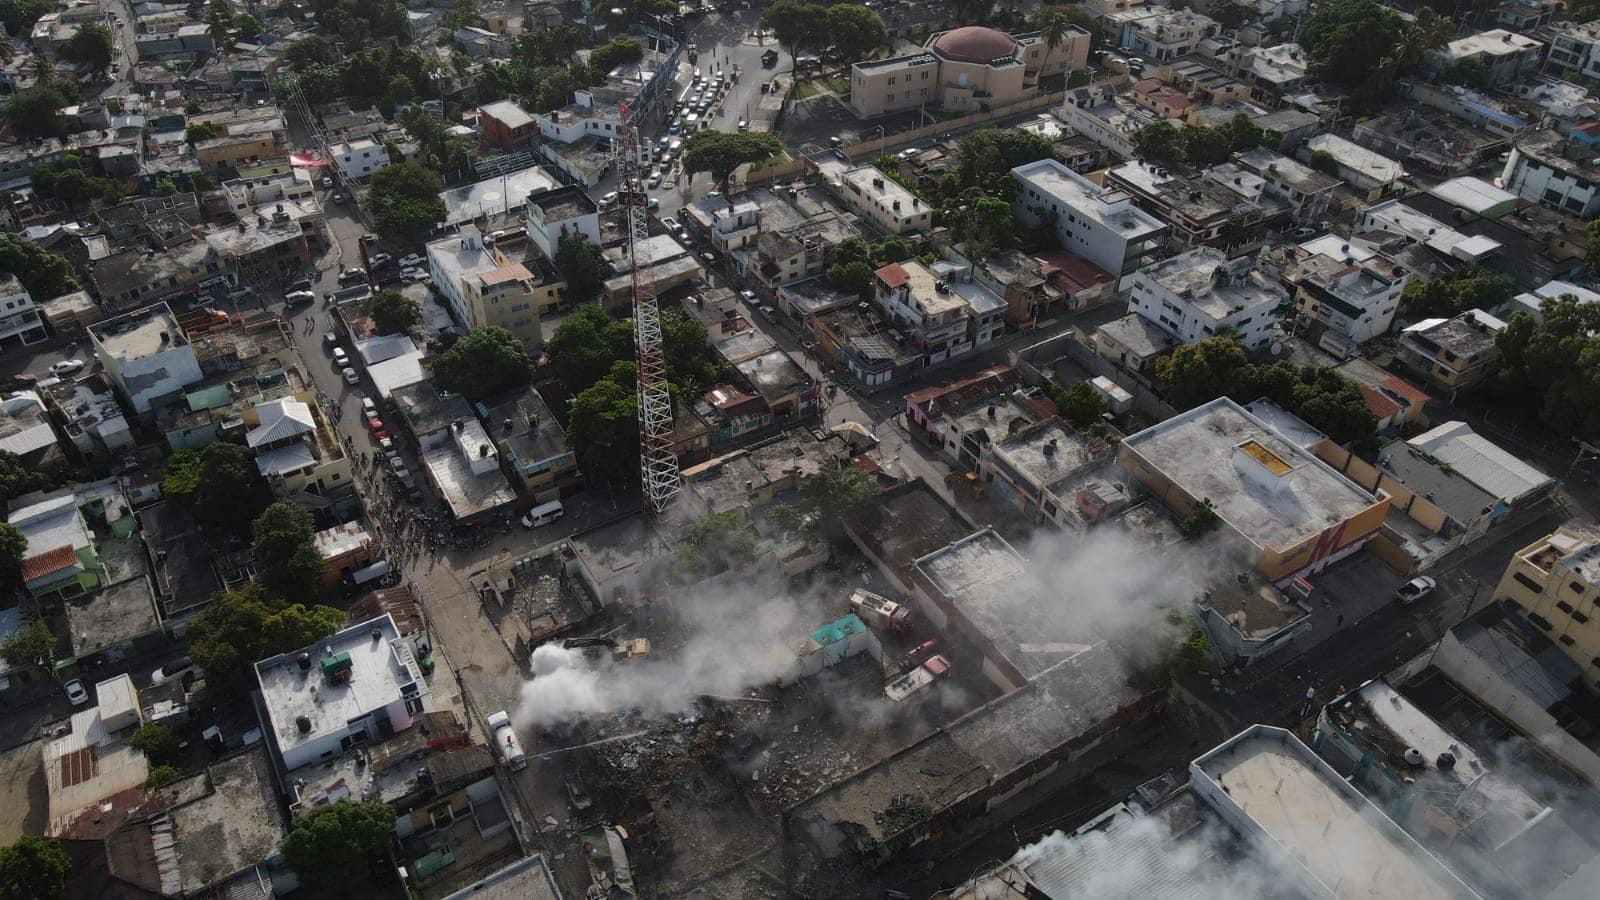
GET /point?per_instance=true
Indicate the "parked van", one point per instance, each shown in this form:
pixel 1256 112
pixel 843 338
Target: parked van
pixel 543 514
pixel 506 743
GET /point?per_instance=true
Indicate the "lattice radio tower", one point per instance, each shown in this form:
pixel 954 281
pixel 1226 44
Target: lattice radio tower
pixel 658 463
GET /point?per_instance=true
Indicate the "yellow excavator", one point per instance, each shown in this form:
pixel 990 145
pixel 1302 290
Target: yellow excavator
pixel 965 482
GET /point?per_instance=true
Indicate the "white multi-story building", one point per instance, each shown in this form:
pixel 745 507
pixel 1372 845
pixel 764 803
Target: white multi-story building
pixel 1576 48
pixel 553 213
pixel 18 317
pixel 1347 286
pixel 1161 34
pixel 1556 171
pixel 359 158
pixel 924 306
pixel 885 202
pixel 1201 293
pixel 361 684
pixel 146 355
pixel 1507 55
pixel 484 288
pixel 1102 226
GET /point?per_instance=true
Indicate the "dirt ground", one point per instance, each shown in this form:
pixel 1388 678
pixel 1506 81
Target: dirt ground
pixel 26 806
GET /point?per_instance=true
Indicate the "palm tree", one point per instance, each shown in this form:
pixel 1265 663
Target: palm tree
pixel 1053 27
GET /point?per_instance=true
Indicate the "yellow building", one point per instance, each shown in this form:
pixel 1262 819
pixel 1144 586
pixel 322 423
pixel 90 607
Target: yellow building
pixel 297 454
pixel 964 70
pixel 485 288
pixel 231 150
pixel 1553 582
pixel 1293 511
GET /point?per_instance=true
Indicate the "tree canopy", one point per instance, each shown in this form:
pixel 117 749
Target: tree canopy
pixel 1200 372
pixel 328 843
pixel 18 16
pixel 1465 289
pixel 91 45
pixel 35 112
pixel 582 267
pixel 13 546
pixel 616 52
pixel 838 497
pixel 287 560
pixel 985 158
pixel 29 644
pixel 1197 145
pixel 603 429
pixel 484 363
pixel 1080 404
pixel 715 544
pixel 395 313
pixel 842 31
pixel 721 152
pixel 45 274
pixel 34 867
pixel 220 485
pixel 1365 46
pixel 406 198
pixel 17 479
pixel 157 742
pixel 239 628
pixel 1555 364
pixel 585 345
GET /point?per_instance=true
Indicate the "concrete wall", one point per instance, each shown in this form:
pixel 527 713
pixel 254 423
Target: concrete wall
pixel 1361 472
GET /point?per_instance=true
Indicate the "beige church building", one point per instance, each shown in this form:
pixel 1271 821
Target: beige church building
pixel 963 70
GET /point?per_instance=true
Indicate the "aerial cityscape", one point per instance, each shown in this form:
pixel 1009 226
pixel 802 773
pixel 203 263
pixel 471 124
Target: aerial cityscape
pixel 782 450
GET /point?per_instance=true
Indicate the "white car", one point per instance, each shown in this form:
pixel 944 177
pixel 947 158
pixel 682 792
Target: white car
pixel 412 260
pixel 1415 589
pixel 368 407
pixel 670 224
pixel 66 367
pixel 171 670
pixel 77 695
pixel 655 179
pixel 350 376
pixel 414 274
pixel 750 297
pixel 327 182
pixel 340 358
pixel 378 259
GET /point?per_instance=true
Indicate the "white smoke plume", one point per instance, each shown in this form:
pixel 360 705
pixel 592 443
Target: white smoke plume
pixel 735 640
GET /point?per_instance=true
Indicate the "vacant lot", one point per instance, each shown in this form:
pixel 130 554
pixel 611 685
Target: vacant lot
pixel 25 807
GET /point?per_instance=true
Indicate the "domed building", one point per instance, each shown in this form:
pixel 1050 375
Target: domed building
pixel 964 70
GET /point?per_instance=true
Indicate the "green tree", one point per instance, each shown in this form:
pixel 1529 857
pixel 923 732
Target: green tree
pixel 161 776
pixel 1324 162
pixel 287 560
pixel 158 743
pixel 326 844
pixel 19 16
pixel 34 867
pixel 853 31
pixel 1202 371
pixel 839 498
pixel 1365 46
pixel 29 644
pixel 246 27
pixel 219 16
pixel 406 197
pixel 35 112
pixel 715 544
pixel 182 477
pixel 395 313
pixel 464 14
pixel 603 429
pixel 92 45
pixel 1202 520
pixel 582 266
pixel 797 26
pixel 785 518
pixel 484 363
pixel 1465 289
pixel 585 345
pixel 985 158
pixel 1054 24
pixel 692 365
pixel 1160 141
pixel 891 249
pixel 229 490
pixel 1591 253
pixel 239 628
pixel 13 546
pixel 1080 404
pixel 1243 134
pixel 45 274
pixel 1555 363
pixel 1321 395
pixel 302 53
pixel 852 277
pixel 984 223
pixel 721 152
pixel 17 479
pixel 619 51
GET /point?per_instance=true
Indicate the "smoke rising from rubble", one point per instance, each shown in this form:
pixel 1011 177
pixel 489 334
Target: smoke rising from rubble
pixel 1108 583
pixel 1119 863
pixel 735 639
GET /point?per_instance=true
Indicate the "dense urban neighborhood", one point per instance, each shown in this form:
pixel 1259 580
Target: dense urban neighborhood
pixel 771 449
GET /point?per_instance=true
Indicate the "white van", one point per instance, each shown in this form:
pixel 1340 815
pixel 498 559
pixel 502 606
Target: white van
pixel 506 743
pixel 543 514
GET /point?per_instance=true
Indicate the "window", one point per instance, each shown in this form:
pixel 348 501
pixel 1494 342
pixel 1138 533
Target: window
pixel 1580 618
pixel 924 76
pixel 1539 620
pixel 1566 641
pixel 1564 607
pixel 1576 587
pixel 891 79
pixel 1552 196
pixel 1527 582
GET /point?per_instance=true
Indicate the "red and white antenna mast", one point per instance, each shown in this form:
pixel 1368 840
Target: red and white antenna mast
pixel 658 462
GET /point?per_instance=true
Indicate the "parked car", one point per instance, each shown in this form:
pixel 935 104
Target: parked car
pixel 330 339
pixel 66 367
pixel 1415 589
pixel 575 792
pixel 349 375
pixel 77 695
pixel 655 179
pixel 303 284
pixel 670 224
pixel 171 670
pixel 299 298
pixel 749 297
pixel 414 275
pixel 769 59
pixel 340 358
pixel 378 431
pixel 398 467
pixel 351 276
pixel 369 407
pixel 836 141
pixel 610 201
pixel 412 259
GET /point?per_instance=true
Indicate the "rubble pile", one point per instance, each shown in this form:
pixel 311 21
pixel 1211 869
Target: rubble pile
pixel 658 759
